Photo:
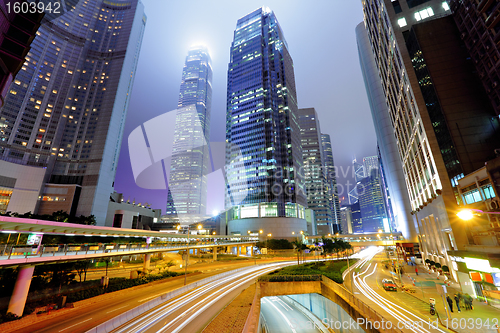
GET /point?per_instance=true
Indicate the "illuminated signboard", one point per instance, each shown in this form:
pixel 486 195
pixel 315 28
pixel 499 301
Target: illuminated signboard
pixel 496 279
pixel 34 239
pixel 481 265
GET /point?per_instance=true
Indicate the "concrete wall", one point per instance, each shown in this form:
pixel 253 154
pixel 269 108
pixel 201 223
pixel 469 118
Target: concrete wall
pixel 129 211
pixel 27 186
pixel 289 288
pixel 57 197
pixel 326 310
pixel 354 307
pixel 279 227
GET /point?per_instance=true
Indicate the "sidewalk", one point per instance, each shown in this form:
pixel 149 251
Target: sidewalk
pixel 483 318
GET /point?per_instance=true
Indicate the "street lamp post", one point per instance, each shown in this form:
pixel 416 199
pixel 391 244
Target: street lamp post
pixel 187 251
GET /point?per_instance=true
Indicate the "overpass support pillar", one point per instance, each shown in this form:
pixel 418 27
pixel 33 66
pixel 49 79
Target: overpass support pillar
pixel 20 293
pixel 238 251
pixel 147 261
pixel 250 253
pixel 214 251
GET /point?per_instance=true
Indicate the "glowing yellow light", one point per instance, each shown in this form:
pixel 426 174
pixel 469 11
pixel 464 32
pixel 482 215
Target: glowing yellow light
pixel 465 214
pixel 199 226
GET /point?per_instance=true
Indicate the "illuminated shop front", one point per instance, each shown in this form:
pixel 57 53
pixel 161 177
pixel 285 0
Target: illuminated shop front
pixel 479 276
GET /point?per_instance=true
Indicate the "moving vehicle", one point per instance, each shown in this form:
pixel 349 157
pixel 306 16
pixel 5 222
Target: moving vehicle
pixel 388 284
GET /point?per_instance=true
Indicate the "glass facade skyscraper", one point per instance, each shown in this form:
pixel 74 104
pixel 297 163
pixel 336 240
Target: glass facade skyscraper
pixel 189 166
pixel 331 179
pixel 317 188
pixel 371 202
pixel 66 109
pixel 442 122
pixel 262 120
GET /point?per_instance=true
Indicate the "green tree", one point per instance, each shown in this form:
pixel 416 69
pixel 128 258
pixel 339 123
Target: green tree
pixel 81 267
pixel 279 244
pixel 60 216
pixel 169 264
pixel 299 247
pixel 328 246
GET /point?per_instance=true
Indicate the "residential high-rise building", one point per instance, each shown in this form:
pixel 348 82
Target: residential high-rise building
pixel 262 122
pixel 66 108
pixel 17 31
pixel 189 166
pixel 442 124
pixel 317 187
pixel 331 180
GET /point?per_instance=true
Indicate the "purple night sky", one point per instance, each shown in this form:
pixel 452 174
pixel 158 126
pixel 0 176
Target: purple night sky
pixel 321 40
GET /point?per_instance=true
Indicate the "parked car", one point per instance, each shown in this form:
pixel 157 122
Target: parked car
pixel 388 284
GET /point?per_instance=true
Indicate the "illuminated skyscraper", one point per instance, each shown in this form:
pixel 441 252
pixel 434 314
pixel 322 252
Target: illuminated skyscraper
pixel 331 179
pixel 66 109
pixel 425 94
pixel 262 121
pixel 371 202
pixel 317 187
pixel 187 182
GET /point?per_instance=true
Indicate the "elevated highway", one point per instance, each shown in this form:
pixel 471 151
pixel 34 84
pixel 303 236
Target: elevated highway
pixel 362 240
pixel 27 256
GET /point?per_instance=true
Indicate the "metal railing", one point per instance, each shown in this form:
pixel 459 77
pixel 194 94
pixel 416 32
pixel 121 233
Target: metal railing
pixel 28 251
pixel 289 278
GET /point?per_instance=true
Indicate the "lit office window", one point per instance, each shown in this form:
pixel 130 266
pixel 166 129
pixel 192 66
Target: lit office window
pixel 445 5
pixel 424 13
pixel 402 22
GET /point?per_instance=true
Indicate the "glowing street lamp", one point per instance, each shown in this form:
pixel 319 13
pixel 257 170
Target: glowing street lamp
pixel 465 214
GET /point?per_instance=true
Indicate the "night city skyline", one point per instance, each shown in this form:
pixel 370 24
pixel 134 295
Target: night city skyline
pixel 323 46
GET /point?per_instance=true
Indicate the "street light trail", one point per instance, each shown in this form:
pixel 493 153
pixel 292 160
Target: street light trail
pixel 189 319
pixel 155 316
pixel 284 317
pixel 389 306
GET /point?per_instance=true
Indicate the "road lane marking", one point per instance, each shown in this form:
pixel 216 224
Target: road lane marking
pixel 156 315
pixel 64 329
pixel 117 309
pixel 145 299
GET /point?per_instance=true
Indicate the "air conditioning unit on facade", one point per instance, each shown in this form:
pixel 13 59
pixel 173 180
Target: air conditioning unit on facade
pixel 492 204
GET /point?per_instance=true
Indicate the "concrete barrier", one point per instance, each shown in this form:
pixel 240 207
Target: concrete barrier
pixel 125 317
pixel 289 288
pixel 328 288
